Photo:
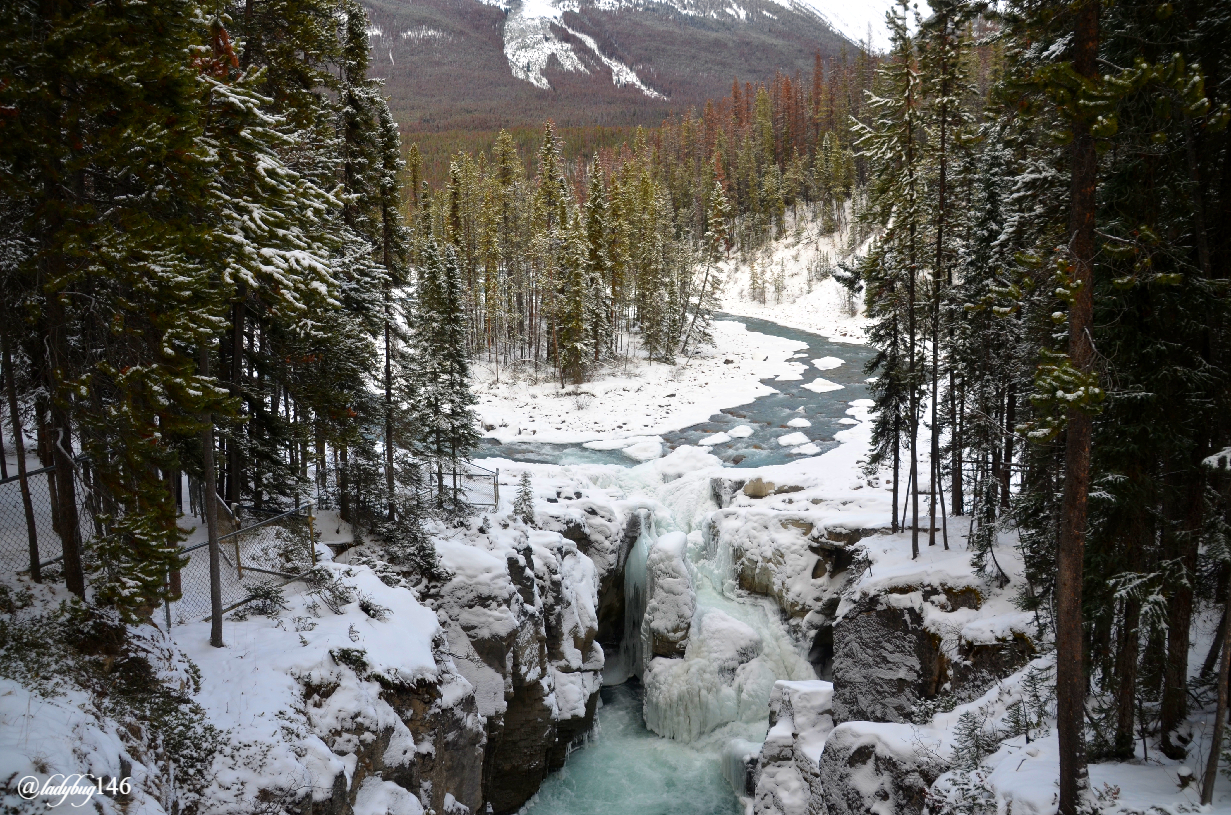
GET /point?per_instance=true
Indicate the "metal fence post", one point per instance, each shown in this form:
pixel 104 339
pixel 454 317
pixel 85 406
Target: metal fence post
pixel 312 532
pixel 496 490
pixel 166 603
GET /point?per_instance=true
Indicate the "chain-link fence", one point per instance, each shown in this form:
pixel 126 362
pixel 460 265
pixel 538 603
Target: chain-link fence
pixel 463 482
pixel 275 550
pixel 15 525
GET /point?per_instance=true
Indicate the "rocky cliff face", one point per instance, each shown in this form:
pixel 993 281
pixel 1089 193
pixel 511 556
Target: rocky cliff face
pixel 431 747
pixel 875 767
pixel 787 778
pixel 523 613
pixel 899 639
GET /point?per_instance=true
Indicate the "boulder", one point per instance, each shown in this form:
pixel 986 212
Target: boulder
pixel 884 659
pixel 758 488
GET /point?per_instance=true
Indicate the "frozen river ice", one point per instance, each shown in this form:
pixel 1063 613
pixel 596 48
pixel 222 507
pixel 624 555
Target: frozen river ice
pixel 831 377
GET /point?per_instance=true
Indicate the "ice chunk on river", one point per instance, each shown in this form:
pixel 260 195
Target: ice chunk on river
pixel 820 385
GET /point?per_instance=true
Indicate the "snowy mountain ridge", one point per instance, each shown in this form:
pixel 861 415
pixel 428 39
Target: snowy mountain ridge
pixel 607 62
pixel 529 43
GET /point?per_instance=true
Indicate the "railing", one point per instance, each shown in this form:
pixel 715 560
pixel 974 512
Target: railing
pixel 275 549
pixel 464 482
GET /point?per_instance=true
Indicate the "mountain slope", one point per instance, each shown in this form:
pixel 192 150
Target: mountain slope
pixel 464 64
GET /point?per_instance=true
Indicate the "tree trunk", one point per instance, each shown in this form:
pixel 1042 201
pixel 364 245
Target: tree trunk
pixel 937 276
pixel 388 401
pixel 343 485
pixel 1070 554
pixel 211 516
pixel 19 445
pixel 955 445
pixel 234 458
pixel 1006 468
pixel 1220 715
pixel 897 459
pixel 1184 544
pixel 60 440
pixel 1126 675
pixel 913 271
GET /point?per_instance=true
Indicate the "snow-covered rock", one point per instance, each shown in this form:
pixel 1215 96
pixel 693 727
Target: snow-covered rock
pixel 788 771
pixel 521 614
pixel 884 659
pixel 879 768
pixel 671 600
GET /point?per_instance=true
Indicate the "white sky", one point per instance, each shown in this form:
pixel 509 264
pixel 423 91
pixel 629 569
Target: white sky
pixel 852 17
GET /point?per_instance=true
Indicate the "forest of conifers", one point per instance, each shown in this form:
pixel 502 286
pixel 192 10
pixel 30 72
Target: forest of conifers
pixel 214 247
pixel 229 257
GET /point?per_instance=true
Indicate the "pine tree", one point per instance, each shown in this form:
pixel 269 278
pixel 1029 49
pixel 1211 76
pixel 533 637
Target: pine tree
pixel 445 408
pixel 598 266
pixel 877 273
pixel 896 204
pixel 943 60
pixel 716 245
pixel 573 342
pixel 523 505
pixel 393 249
pixel 114 295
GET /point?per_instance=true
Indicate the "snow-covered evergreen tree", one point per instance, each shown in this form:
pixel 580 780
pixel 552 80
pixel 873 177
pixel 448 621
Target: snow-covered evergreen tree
pixel 523 504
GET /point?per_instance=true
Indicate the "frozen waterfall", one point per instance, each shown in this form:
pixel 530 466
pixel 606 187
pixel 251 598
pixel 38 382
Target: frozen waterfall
pixel 630 661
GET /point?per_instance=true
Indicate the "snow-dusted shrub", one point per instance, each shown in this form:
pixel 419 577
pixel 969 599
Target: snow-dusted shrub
pixel 372 608
pixel 354 658
pixel 523 504
pixel 961 792
pixel 329 588
pixel 266 599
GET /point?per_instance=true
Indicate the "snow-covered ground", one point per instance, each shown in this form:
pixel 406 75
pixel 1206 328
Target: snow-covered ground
pixel 298 709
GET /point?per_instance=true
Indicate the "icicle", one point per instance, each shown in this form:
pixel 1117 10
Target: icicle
pixel 635 596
